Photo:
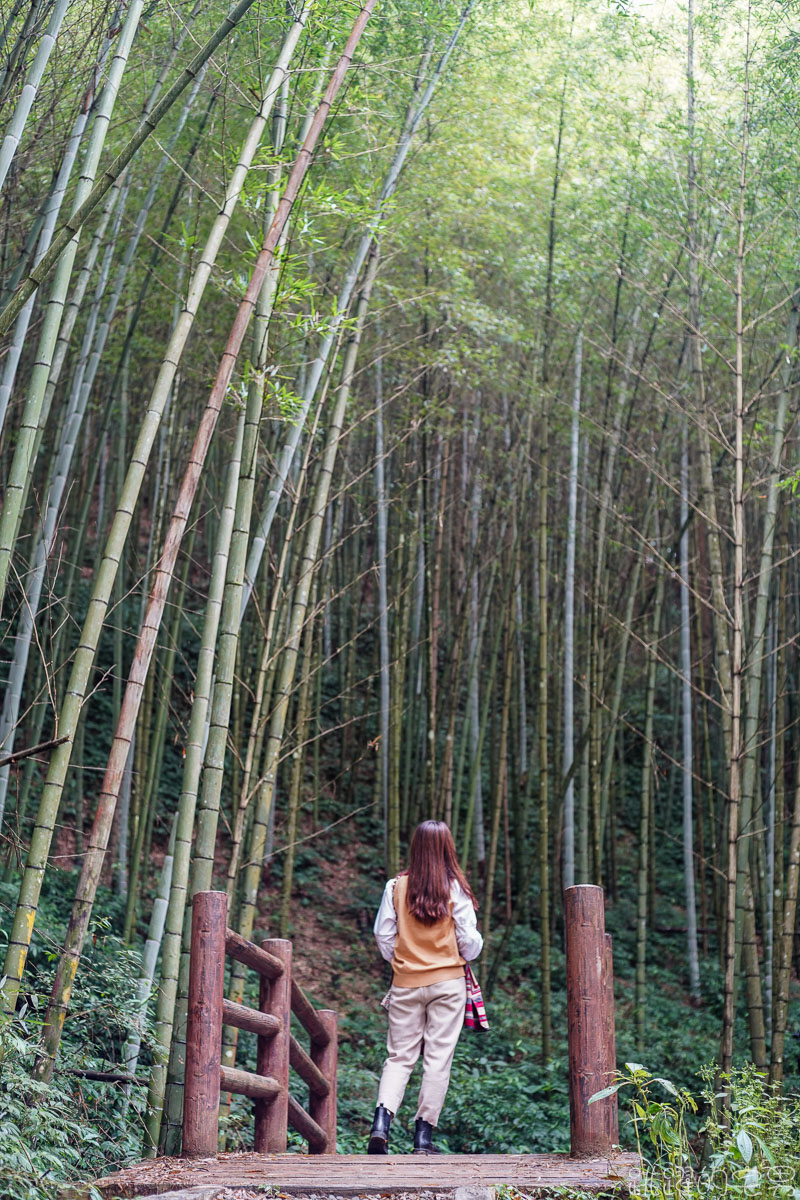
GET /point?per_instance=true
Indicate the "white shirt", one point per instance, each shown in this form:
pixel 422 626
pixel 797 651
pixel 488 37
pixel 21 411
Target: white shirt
pixel 468 939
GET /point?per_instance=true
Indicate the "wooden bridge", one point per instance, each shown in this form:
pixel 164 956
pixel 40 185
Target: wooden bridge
pixel 595 1163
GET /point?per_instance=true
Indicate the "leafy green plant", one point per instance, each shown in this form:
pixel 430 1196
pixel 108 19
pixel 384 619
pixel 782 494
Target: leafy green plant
pixel 74 1128
pixel 747 1144
pixel 660 1126
pixel 757 1152
pixel 44 1135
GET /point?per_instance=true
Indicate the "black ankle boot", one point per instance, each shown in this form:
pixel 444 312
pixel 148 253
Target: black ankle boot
pixel 423 1138
pixel 379 1134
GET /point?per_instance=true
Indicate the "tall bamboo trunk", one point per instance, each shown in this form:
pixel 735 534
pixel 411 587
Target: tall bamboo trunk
pixel 596 616
pixel 647 802
pixel 785 944
pixel 687 766
pixel 542 717
pixel 391 816
pixel 737 641
pixel 745 917
pixel 569 623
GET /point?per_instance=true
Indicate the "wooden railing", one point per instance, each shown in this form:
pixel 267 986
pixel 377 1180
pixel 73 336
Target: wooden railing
pixel 278 1049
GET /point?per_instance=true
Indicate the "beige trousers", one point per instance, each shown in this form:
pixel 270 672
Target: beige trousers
pixel 428 1019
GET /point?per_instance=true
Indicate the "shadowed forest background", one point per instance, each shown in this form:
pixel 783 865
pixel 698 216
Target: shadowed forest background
pixel 490 517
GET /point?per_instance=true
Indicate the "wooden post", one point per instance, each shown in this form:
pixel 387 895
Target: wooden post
pixel 204 1024
pixel 272 1116
pixel 610 1040
pixel 323 1108
pixel 589 1070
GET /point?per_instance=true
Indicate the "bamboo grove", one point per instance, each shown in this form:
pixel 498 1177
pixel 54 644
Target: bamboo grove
pixel 399 414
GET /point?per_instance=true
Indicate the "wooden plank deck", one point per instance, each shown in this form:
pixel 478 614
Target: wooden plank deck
pixel 340 1174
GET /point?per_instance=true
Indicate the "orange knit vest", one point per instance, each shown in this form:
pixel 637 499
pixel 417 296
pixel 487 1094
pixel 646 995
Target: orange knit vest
pixel 423 954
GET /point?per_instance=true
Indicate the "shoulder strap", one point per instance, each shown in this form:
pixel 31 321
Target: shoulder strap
pixel 397 882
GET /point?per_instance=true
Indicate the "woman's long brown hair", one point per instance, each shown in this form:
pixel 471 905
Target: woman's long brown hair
pixel 432 867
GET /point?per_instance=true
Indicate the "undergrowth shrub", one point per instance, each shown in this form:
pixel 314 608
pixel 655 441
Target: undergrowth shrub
pixel 742 1141
pixel 74 1128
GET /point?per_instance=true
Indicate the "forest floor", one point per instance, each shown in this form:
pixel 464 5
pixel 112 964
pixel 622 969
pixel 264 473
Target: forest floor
pixel 334 956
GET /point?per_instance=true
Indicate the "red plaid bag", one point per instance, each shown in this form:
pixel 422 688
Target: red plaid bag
pixel 475 1012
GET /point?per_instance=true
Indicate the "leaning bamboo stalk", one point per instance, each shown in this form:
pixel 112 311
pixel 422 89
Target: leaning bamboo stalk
pixel 7 31
pixel 34 578
pixel 16 125
pixel 54 310
pixel 98 840
pixel 90 362
pixel 19 52
pixel 307 565
pixel 146 127
pixel 264 687
pixel 49 218
pixel 218 706
pixel 317 368
pixel 104 581
pixel 256 391
pixel 187 802
pixel 298 767
pixel 45 237
pixel 230 620
pixel 143 832
pixel 262 809
pixel 150 952
pixel 217 732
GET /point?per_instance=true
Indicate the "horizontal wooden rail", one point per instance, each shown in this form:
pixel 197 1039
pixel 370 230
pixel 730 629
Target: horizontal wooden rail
pixel 252 956
pixel 245 1083
pixel 308 1016
pixel 249 1019
pixel 307 1127
pixel 308 1071
pixel 276 1051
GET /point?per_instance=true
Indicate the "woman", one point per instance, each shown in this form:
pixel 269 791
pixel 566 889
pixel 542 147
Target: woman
pixel 426 929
